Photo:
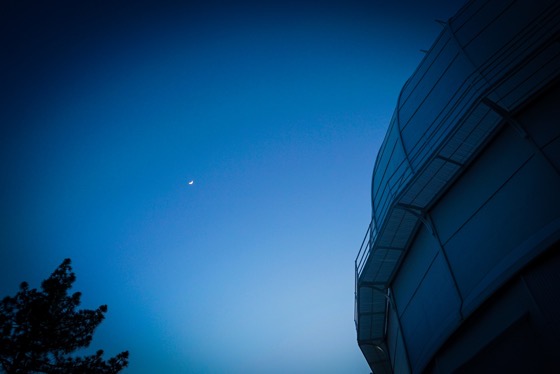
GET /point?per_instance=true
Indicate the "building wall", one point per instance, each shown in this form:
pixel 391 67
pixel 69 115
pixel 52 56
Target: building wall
pixel 465 188
pixel 514 331
pixel 499 216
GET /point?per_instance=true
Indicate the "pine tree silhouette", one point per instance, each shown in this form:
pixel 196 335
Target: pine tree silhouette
pixel 41 329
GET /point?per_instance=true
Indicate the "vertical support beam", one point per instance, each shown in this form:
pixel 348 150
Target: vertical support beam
pixel 442 251
pixel 399 129
pixel 399 325
pixel 426 219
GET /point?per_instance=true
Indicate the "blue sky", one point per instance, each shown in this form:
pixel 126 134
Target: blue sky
pixel 276 110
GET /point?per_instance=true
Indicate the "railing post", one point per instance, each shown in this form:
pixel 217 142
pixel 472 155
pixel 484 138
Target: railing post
pixel 363 253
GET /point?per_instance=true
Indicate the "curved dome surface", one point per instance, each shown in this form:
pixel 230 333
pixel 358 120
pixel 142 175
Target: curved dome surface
pixel 489 62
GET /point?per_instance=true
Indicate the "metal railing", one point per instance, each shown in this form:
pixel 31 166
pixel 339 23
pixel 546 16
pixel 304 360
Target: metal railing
pixel 365 249
pixel 360 262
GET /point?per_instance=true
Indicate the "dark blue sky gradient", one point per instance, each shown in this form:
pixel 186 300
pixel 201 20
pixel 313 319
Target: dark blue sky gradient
pixel 275 109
